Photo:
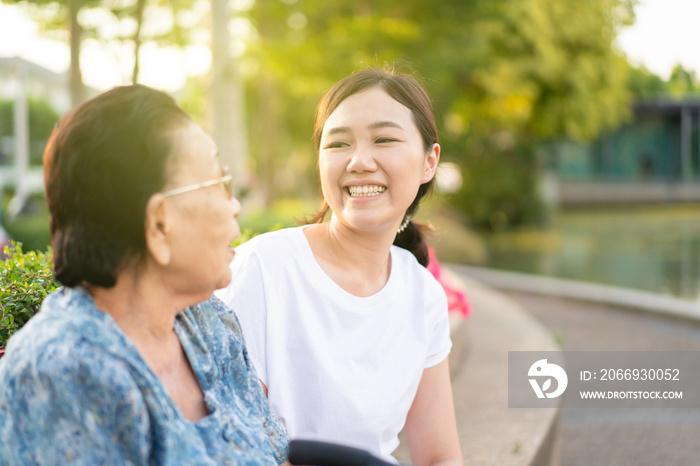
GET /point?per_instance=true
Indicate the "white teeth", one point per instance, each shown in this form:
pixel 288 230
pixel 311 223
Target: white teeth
pixel 365 190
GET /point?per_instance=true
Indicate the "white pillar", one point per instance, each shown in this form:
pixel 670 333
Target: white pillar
pixel 21 139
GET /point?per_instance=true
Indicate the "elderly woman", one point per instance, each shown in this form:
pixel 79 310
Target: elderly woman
pixel 129 362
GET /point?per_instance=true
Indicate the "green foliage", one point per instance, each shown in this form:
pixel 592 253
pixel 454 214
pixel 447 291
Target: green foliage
pixel 500 187
pixel 537 70
pixel 283 213
pixel 115 23
pixel 25 280
pixel 683 81
pixel 193 99
pixel 643 83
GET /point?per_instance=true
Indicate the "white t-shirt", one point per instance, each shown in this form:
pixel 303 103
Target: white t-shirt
pixel 338 368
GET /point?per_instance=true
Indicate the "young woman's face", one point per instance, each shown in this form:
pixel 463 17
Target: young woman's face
pixel 372 161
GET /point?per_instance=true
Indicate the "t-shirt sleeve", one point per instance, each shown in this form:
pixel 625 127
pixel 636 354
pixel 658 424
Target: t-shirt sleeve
pixel 245 295
pixel 438 324
pixel 72 409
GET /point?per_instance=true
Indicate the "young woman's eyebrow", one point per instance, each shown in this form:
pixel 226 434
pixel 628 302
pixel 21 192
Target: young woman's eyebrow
pixel 385 124
pixel 377 125
pixel 338 130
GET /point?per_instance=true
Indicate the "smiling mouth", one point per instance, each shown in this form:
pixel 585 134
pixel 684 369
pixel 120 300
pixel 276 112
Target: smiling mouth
pixel 364 191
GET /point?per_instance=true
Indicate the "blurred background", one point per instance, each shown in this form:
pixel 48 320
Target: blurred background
pixel 570 129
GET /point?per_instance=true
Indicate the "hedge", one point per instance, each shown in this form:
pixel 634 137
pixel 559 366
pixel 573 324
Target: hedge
pixel 25 280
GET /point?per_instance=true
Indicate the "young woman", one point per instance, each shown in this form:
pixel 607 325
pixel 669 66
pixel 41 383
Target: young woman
pixel 346 328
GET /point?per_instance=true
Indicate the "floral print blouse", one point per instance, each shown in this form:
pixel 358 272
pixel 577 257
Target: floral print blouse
pixel 74 389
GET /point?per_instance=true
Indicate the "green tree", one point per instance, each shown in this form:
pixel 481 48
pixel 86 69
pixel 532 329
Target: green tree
pixel 62 15
pixel 683 81
pixel 113 20
pixel 643 83
pixel 504 74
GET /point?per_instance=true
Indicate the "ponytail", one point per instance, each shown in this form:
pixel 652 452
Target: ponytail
pixel 412 238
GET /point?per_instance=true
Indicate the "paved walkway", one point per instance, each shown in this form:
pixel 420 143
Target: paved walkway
pixel 613 437
pixel 490 433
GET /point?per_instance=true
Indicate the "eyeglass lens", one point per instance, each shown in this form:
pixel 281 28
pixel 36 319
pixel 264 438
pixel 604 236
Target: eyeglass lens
pixel 227 184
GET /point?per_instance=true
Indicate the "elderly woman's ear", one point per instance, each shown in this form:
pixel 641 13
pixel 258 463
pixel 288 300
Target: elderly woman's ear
pixel 158 229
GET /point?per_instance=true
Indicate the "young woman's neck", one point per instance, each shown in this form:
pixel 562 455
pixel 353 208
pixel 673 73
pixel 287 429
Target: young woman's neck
pixel 359 262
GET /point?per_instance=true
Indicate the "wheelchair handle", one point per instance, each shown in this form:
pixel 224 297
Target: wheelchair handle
pixel 309 452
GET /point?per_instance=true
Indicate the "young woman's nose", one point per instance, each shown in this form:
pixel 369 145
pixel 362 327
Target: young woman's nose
pixel 362 160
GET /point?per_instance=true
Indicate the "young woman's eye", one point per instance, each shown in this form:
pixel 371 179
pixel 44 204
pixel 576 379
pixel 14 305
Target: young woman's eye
pixel 385 140
pixel 336 145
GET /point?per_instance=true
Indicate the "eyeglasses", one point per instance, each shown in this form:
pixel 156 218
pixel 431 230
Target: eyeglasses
pixel 224 180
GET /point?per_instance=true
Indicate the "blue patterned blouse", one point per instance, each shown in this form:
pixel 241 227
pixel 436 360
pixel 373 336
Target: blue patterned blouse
pixel 74 389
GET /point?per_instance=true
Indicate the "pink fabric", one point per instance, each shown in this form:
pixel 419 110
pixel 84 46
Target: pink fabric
pixel 456 298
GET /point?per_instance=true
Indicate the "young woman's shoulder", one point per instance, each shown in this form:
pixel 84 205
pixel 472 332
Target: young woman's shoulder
pixel 407 264
pixel 273 243
pixel 413 276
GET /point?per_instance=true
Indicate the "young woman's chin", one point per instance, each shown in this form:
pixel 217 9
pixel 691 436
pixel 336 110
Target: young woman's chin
pixel 369 224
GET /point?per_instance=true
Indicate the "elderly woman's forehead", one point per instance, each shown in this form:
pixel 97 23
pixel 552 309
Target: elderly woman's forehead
pixel 190 142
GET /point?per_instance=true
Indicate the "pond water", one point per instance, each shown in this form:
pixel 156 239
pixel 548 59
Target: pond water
pixel 651 248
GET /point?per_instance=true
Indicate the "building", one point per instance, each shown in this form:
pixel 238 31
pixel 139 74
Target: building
pixel 20 78
pixel 653 158
pixel 35 80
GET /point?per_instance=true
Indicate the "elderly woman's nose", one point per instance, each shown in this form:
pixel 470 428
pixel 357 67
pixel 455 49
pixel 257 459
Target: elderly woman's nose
pixel 236 207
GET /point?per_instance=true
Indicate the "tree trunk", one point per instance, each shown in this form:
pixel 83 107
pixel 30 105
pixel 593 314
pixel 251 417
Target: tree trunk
pixel 138 15
pixel 77 89
pixel 226 98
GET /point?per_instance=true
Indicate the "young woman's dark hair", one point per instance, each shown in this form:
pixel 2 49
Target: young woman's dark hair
pixel 406 90
pixel 102 163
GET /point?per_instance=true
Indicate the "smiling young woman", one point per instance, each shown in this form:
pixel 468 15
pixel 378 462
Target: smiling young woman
pixel 346 328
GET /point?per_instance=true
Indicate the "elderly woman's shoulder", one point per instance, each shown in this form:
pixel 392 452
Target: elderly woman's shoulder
pixel 205 314
pixel 209 319
pixel 66 330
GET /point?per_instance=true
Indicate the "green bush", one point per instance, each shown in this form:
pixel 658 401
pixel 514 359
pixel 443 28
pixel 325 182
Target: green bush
pixel 25 280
